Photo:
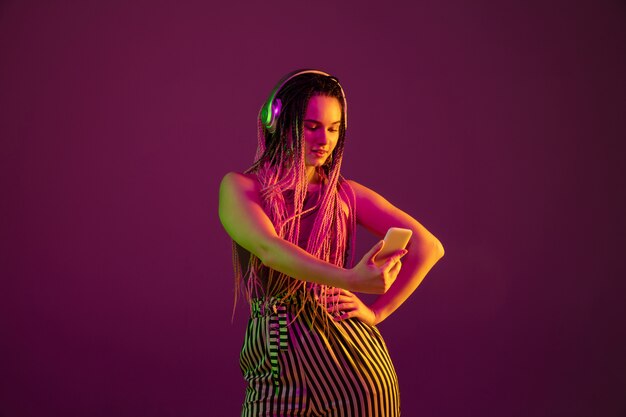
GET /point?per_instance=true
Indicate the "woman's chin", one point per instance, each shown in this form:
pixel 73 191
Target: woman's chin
pixel 315 163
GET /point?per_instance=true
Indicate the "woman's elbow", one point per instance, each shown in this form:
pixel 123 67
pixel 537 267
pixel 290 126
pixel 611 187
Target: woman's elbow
pixel 429 246
pixel 438 249
pixel 433 248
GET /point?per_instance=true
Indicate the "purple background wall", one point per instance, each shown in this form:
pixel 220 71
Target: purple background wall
pixel 498 125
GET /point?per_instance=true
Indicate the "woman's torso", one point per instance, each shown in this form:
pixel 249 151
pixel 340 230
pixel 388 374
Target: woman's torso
pixel 307 220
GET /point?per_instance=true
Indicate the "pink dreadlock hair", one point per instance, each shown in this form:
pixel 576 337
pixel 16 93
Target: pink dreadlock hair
pixel 280 166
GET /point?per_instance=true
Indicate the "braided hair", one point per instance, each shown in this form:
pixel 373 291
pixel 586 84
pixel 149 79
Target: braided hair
pixel 280 166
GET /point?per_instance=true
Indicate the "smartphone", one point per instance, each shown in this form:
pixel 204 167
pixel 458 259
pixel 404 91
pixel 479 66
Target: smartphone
pixel 396 239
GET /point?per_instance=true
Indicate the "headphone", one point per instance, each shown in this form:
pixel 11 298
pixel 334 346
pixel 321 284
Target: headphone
pixel 271 108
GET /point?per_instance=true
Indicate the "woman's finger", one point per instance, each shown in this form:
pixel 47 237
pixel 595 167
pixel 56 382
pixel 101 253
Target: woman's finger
pixel 346 306
pixel 393 259
pixel 333 302
pixel 374 250
pixel 344 316
pixel 341 307
pixel 396 268
pixel 371 254
pixel 333 291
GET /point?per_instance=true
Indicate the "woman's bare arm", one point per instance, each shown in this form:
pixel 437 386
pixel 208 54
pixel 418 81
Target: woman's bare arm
pixel 377 215
pixel 247 223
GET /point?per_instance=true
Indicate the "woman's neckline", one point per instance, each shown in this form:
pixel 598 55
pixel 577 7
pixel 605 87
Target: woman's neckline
pixel 311 188
pixel 308 191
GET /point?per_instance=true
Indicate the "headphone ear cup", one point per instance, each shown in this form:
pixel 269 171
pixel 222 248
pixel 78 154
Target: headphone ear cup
pixel 277 105
pixel 266 114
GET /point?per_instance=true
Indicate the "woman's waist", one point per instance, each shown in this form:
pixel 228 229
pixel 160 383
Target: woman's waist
pixel 271 305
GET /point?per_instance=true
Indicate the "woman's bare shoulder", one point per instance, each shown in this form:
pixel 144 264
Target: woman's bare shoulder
pixel 240 181
pixel 364 193
pixel 356 187
pixel 238 188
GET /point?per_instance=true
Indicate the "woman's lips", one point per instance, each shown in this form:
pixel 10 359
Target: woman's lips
pixel 319 153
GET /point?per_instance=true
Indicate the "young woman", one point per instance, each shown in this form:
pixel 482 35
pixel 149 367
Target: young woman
pixel 311 346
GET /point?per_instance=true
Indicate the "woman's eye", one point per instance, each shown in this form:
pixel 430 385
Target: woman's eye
pixel 316 127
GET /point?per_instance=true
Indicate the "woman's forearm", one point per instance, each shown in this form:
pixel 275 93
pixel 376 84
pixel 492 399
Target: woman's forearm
pixel 415 265
pixel 294 261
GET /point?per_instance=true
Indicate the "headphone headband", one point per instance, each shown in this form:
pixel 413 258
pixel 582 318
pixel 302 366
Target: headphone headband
pixel 272 107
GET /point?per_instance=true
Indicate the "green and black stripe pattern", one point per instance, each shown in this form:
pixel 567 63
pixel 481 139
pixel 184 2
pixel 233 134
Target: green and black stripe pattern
pixel 295 366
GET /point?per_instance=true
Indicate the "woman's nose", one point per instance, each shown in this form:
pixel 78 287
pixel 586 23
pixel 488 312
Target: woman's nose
pixel 324 137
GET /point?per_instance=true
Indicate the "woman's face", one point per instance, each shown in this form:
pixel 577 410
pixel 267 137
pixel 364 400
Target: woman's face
pixel 321 129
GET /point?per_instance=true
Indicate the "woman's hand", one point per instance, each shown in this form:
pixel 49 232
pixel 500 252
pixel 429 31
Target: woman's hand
pixel 367 277
pixel 343 305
